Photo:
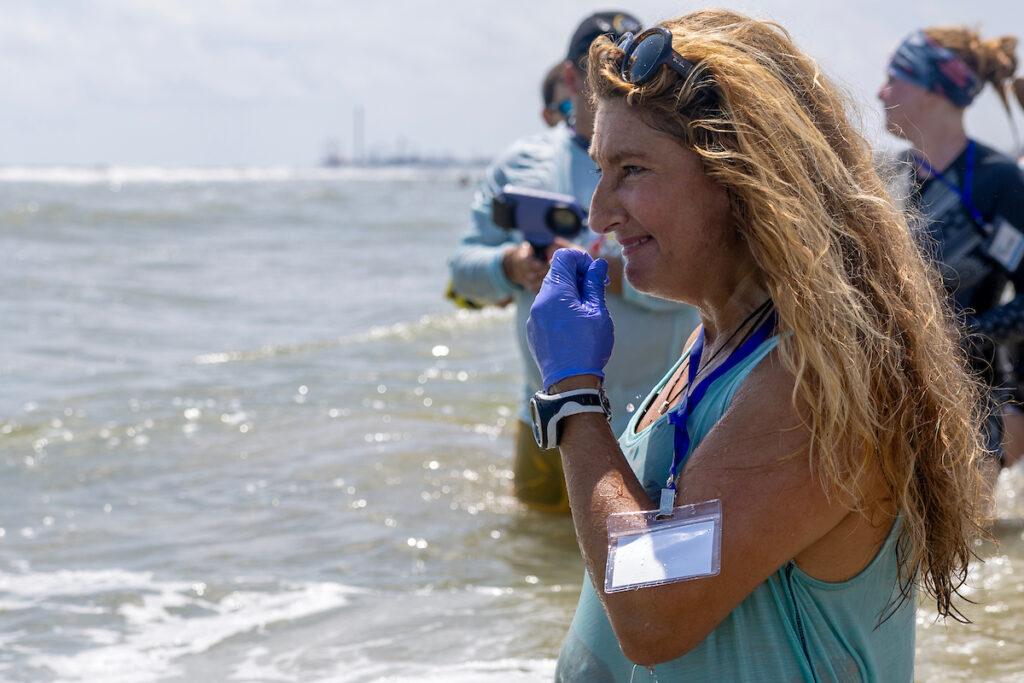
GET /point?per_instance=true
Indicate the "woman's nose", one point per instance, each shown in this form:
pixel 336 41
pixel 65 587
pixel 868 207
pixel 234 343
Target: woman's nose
pixel 602 216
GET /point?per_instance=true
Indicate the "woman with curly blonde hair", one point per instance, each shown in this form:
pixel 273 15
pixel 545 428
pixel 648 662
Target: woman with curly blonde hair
pixel 823 415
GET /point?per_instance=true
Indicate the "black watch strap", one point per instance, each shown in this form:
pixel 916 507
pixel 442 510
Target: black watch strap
pixel 548 410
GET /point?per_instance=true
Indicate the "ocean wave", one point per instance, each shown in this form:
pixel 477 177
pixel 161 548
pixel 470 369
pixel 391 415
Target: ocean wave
pixel 121 175
pixel 147 628
pixel 32 214
pixel 33 586
pixel 403 331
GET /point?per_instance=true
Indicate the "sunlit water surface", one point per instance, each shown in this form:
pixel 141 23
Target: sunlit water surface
pixel 244 437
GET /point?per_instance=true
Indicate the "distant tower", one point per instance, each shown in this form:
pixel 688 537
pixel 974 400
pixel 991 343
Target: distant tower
pixel 358 148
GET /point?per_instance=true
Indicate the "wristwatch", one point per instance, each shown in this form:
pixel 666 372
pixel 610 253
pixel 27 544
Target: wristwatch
pixel 547 411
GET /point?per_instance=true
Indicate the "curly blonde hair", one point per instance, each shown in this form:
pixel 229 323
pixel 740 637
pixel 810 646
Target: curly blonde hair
pixel 880 375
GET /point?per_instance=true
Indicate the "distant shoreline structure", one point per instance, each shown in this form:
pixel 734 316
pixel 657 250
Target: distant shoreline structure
pixel 117 175
pixel 333 160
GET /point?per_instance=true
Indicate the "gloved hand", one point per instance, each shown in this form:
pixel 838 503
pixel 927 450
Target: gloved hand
pixel 570 330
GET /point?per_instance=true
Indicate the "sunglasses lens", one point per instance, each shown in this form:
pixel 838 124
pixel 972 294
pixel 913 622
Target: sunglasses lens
pixel 646 58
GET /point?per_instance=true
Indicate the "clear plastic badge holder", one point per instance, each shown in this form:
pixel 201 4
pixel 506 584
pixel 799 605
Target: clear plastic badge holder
pixel 652 548
pixel 1007 245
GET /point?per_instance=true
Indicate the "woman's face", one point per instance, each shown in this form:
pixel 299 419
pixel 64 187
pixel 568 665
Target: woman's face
pixel 673 222
pixel 906 105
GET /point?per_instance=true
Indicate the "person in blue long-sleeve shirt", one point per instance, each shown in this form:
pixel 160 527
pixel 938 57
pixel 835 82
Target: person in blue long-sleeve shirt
pixel 492 267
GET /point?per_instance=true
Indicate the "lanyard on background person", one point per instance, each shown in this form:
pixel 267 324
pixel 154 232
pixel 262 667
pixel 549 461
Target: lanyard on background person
pixel 964 191
pixel 1005 243
pixel 694 394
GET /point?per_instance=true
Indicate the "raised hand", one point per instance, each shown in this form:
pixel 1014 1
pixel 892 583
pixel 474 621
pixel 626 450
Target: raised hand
pixel 570 330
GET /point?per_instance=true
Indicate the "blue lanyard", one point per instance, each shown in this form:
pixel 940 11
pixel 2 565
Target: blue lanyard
pixel 964 191
pixel 694 394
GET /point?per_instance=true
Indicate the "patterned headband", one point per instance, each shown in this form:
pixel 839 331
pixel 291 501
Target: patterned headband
pixel 923 62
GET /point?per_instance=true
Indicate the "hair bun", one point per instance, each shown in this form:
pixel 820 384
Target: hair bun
pixel 1001 58
pixel 1018 90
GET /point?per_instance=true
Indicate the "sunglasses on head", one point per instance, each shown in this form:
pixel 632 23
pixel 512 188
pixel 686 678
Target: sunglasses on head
pixel 647 52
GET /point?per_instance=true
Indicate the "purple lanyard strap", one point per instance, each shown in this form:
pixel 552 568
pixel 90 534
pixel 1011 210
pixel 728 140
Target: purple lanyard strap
pixel 694 394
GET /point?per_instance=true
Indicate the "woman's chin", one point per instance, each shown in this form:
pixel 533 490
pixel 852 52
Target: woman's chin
pixel 638 277
pixel 646 281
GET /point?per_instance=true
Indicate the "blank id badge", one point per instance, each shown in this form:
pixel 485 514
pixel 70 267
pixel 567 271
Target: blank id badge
pixel 1007 246
pixel 651 549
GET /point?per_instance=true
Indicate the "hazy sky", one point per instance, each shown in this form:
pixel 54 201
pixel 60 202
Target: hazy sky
pixel 269 81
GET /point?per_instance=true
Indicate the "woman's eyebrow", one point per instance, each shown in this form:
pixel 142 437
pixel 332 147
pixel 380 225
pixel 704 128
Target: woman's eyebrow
pixel 617 155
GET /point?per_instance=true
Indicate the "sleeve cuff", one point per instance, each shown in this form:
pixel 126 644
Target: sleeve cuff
pixel 499 280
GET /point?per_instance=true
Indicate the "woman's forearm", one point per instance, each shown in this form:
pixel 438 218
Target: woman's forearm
pixel 600 483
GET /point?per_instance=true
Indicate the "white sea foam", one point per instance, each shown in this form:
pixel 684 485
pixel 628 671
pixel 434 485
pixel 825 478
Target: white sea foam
pixel 35 586
pixel 121 175
pixel 148 633
pixel 251 669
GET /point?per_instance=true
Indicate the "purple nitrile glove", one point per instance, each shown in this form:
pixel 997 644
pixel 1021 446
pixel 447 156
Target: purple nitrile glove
pixel 569 329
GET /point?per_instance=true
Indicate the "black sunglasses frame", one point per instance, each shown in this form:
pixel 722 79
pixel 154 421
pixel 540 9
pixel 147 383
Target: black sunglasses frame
pixel 629 44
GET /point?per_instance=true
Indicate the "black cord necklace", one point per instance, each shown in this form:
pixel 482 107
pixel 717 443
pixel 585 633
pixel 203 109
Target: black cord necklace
pixel 676 391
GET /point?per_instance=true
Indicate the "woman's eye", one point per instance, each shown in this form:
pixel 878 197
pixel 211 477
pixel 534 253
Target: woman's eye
pixel 631 170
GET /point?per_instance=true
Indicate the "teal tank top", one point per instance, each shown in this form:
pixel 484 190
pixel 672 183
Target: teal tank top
pixel 791 628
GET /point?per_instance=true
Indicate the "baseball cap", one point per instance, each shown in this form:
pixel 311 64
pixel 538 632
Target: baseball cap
pixel 600 23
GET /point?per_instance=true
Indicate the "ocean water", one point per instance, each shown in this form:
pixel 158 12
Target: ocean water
pixel 244 437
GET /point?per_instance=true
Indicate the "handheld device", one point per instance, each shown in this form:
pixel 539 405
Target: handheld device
pixel 539 215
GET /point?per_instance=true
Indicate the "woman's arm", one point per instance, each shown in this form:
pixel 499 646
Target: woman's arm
pixel 755 461
pixel 1002 324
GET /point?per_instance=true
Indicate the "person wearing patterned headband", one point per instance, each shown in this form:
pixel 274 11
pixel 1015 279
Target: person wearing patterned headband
pixel 971 199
